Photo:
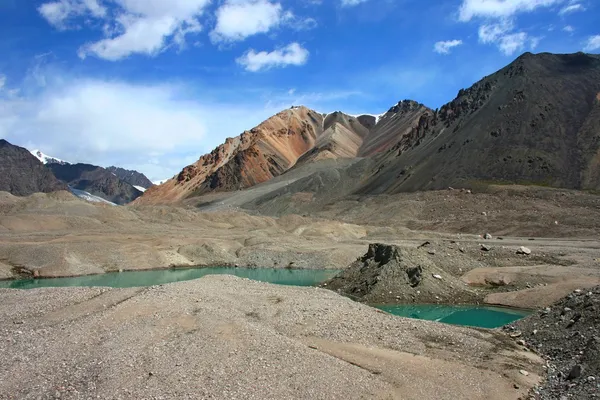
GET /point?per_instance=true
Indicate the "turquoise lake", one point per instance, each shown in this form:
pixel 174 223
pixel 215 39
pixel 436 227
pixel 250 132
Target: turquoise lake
pixel 483 317
pixel 293 277
pixel 477 316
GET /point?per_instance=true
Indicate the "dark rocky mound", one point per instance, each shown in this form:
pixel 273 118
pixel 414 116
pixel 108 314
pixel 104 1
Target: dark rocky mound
pixel 568 336
pixel 97 181
pixel 132 177
pixel 391 274
pixel 536 121
pixel 22 174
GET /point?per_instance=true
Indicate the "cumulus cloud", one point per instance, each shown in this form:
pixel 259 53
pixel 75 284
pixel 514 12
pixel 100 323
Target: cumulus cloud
pixel 444 47
pixel 470 9
pixel 133 27
pixel 292 54
pixel 568 28
pixel 592 43
pixel 239 19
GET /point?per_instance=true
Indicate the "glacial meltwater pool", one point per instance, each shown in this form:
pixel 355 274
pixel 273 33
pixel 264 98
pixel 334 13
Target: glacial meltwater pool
pixel 477 316
pixel 483 317
pixel 293 277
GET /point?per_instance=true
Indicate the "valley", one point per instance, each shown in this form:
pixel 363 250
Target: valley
pixel 490 200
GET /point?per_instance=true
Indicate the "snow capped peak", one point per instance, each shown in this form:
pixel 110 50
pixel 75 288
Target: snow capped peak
pixel 46 159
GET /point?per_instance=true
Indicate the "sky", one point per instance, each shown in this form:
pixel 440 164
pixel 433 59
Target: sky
pixel 152 85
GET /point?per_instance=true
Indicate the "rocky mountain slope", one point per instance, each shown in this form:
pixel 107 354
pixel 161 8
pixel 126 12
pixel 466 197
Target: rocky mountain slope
pixel 137 179
pixel 96 181
pixel 536 121
pixel 293 137
pixel 22 174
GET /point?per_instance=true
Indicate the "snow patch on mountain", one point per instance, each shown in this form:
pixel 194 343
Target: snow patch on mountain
pixel 90 197
pixel 140 188
pixel 46 159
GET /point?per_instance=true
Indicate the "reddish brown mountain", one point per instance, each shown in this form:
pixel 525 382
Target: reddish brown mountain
pixel 292 137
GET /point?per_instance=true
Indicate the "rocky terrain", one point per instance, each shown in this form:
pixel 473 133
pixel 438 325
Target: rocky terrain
pixel 134 178
pixel 224 337
pixel 22 174
pixel 567 334
pixel 97 181
pixel 390 274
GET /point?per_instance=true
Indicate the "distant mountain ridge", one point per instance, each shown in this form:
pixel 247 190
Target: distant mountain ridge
pixel 132 177
pixel 96 181
pixel 22 174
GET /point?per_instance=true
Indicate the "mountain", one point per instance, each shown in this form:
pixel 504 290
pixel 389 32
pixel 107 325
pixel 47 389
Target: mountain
pixel 137 179
pixel 46 159
pixel 291 138
pixel 22 174
pixel 96 181
pixel 536 121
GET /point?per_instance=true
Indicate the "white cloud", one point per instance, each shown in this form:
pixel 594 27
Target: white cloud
pixel 239 19
pixel 292 54
pixel 535 41
pixel 592 43
pixel 133 27
pixel 351 3
pixel 58 12
pixel 503 36
pixel 568 28
pixel 509 44
pixel 444 47
pixel 157 129
pixel 491 33
pixel 500 8
pixel 571 8
pixel 2 81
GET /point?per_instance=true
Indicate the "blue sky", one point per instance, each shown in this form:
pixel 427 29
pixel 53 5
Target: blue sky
pixel 154 84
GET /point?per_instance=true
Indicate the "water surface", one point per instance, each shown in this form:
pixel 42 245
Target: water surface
pixel 477 316
pixel 294 277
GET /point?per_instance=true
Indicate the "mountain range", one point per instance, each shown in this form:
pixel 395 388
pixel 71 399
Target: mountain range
pixel 536 121
pixel 25 172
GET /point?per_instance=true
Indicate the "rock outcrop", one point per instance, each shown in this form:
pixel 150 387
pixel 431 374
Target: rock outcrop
pixel 391 274
pixel 568 335
pixel 22 174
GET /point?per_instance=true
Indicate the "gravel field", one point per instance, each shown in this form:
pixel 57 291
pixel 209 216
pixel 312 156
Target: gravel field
pixel 222 337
